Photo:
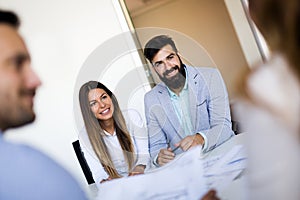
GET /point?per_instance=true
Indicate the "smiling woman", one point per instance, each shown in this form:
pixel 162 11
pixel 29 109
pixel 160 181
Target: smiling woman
pixel 111 150
pixel 102 107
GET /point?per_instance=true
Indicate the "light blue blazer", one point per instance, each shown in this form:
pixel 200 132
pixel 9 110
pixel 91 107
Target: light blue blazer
pixel 209 109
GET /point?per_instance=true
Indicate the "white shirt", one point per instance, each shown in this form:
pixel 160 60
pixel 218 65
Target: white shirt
pixel 116 153
pixel 139 138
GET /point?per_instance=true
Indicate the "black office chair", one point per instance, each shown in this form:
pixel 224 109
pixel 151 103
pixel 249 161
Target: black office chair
pixel 236 124
pixel 82 161
pixel 236 127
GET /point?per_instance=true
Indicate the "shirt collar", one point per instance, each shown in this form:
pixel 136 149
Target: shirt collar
pixel 108 134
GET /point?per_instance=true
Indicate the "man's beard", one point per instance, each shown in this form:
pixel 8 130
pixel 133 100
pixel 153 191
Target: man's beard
pixel 18 114
pixel 16 118
pixel 176 81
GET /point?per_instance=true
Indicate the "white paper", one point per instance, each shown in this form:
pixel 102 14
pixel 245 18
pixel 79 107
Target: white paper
pixel 180 179
pixel 221 170
pixel 187 177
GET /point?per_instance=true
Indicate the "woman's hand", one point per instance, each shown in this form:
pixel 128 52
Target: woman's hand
pixel 104 180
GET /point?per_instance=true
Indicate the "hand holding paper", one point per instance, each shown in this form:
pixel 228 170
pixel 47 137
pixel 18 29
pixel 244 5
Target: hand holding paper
pixel 165 156
pixel 190 141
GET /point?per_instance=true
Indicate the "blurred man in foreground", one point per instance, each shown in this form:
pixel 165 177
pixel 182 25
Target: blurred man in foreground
pixel 25 172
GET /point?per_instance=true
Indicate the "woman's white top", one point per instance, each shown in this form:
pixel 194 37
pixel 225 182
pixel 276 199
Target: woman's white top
pixel 139 137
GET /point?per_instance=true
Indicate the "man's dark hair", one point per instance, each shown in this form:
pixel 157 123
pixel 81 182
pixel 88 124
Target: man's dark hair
pixel 10 18
pixel 155 44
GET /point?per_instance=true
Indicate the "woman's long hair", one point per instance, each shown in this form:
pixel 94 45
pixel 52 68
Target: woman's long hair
pixel 96 133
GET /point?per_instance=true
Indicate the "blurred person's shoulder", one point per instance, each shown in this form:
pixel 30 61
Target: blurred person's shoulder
pixel 27 168
pixel 274 86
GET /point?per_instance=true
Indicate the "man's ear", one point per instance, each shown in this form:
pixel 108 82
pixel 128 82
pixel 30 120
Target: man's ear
pixel 180 57
pixel 151 63
pixel 179 54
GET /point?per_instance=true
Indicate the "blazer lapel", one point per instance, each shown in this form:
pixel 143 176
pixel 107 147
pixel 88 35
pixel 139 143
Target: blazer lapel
pixel 193 93
pixel 168 107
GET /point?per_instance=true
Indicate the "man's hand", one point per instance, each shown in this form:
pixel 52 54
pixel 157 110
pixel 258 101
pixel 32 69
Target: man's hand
pixel 139 169
pixel 165 156
pixel 190 141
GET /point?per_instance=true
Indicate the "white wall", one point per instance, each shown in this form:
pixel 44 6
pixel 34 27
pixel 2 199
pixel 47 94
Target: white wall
pixel 60 36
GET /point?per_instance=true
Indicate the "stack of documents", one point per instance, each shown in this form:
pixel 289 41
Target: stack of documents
pixel 180 179
pixel 189 176
pixel 220 171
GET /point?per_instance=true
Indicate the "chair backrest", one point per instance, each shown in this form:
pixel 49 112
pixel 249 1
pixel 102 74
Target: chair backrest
pixel 236 124
pixel 236 127
pixel 82 161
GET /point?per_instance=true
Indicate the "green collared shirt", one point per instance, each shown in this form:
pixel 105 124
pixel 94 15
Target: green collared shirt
pixel 181 106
